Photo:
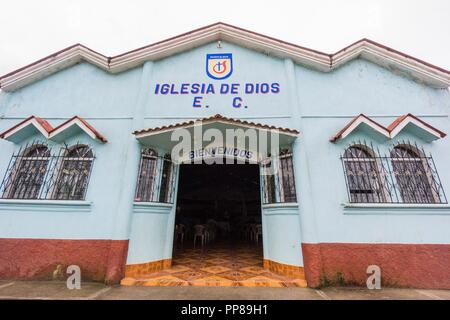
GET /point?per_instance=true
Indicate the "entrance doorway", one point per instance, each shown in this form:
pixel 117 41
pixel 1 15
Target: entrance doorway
pixel 218 227
pixel 218 205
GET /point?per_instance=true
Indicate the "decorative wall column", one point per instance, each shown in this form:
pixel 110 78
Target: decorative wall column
pixel 123 214
pixel 303 179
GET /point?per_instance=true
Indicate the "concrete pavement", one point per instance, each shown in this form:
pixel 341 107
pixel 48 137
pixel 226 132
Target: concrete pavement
pixel 47 290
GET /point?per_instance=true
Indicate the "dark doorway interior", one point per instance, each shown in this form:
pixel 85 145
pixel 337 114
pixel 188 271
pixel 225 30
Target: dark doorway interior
pixel 223 197
pixel 218 206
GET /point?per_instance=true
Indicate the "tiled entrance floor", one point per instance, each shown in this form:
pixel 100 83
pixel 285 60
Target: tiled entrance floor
pixel 220 265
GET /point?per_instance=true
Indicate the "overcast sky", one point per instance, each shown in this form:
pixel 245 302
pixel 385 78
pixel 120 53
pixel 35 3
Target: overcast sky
pixel 33 29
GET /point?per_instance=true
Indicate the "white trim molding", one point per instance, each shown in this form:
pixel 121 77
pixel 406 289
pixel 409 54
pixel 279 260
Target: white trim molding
pixel 409 119
pixel 386 57
pixel 397 126
pixel 277 209
pixel 152 207
pixel 45 205
pixel 14 134
pixel 395 209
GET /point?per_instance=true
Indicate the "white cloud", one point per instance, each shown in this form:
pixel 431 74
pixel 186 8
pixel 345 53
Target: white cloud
pixel 33 29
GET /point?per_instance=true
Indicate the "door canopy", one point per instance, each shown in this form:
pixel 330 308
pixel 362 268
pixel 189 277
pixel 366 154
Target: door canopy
pixel 217 137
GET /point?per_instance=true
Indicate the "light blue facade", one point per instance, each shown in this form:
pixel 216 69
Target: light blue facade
pixel 317 104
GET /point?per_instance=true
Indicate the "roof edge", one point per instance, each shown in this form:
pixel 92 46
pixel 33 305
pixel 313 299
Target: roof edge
pixel 215 118
pixel 367 49
pixel 49 131
pixel 394 128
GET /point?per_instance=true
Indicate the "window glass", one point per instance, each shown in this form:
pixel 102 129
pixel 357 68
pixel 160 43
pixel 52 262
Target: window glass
pixel 28 173
pixel 362 174
pixel 145 190
pixel 74 173
pixel 278 178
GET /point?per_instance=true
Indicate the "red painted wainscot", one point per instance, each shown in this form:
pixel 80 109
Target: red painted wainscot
pixel 402 265
pixel 99 260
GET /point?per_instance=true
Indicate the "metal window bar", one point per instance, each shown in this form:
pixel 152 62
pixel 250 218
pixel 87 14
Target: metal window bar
pixel 174 174
pixel 405 175
pixel 284 175
pixel 167 179
pixel 74 173
pixel 287 174
pixel 34 172
pixel 268 179
pixel 147 185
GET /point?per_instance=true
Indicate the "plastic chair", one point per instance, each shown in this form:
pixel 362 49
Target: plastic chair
pixel 210 231
pixel 180 231
pixel 257 232
pixel 200 231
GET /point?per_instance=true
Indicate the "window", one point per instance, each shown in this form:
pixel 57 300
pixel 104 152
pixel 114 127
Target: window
pixel 362 175
pixel 74 173
pixel 165 194
pixel 156 178
pixel 27 173
pixel 278 178
pixel 268 180
pixel 404 175
pixel 413 175
pixel 36 173
pixel 287 176
pixel 145 190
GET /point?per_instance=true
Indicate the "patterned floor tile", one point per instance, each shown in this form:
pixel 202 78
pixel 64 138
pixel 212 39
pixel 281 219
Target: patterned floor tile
pixel 178 268
pixel 234 275
pixel 213 281
pixel 236 265
pixel 163 281
pixel 251 261
pixel 215 269
pixel 218 261
pixel 183 261
pixel 253 269
pixel 261 281
pixel 152 275
pixel 219 265
pixel 190 275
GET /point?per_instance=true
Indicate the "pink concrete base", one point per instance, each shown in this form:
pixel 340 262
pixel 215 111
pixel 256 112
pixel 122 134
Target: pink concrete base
pixel 402 265
pixel 99 260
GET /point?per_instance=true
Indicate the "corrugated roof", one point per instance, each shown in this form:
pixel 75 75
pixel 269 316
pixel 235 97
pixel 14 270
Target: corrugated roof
pixel 216 118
